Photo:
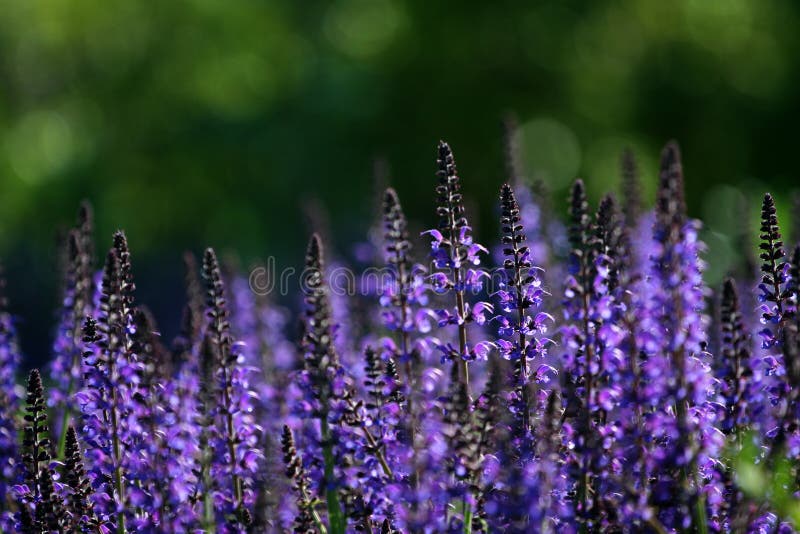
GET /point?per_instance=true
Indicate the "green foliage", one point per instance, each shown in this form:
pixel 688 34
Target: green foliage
pixel 222 108
pixel 774 486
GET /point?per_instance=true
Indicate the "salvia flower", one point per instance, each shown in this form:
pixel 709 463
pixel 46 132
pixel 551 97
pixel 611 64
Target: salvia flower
pixel 732 368
pixel 322 375
pixel 307 518
pixel 236 458
pixel 594 367
pixel 9 405
pixel 677 366
pixel 403 294
pixel 38 495
pixel 66 370
pixel 519 295
pixel 775 274
pixel 456 258
pixel 372 432
pixel 81 508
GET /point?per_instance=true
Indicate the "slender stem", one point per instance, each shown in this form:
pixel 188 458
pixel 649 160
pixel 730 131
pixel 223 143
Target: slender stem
pixel 318 521
pixel 462 334
pixel 656 525
pixel 209 523
pixel 467 517
pixel 523 341
pixel 226 403
pixel 314 513
pixel 373 443
pixel 584 488
pixel 404 341
pixel 336 519
pixel 208 520
pixel 117 459
pixel 455 252
pixel 378 453
pixel 411 379
pixel 701 520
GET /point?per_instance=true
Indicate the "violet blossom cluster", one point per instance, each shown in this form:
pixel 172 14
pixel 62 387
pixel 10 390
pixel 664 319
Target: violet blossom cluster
pixel 9 407
pixel 587 380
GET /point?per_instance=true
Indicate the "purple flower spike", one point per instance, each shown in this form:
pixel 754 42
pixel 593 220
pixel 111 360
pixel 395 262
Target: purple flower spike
pixel 519 294
pixel 453 251
pixel 9 406
pixel 234 435
pixel 66 370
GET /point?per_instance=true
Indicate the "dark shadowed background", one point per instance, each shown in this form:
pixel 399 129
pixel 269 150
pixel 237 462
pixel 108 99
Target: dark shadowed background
pixel 199 122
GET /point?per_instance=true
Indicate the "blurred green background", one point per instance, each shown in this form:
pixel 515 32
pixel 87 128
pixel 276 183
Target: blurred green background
pixel 196 122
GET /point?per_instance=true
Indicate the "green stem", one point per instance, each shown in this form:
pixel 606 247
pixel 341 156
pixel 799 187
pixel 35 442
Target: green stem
pixel 467 517
pixel 208 512
pixel 378 453
pixel 700 518
pixel 318 521
pixel 336 518
pixel 231 438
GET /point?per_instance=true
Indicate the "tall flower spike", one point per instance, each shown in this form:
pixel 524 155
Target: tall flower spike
pixel 318 339
pixel 80 505
pixel 35 443
pixel 550 503
pixel 66 370
pixel 733 371
pixel 733 367
pixel 672 333
pixel 671 201
pixel 106 397
pixel 453 251
pixel 592 362
pixel 578 285
pixel 205 421
pixel 127 287
pixel 631 188
pixel 774 296
pixel 611 238
pixel 50 509
pixel 9 408
pixel 321 363
pixel 773 257
pixel 38 493
pixel 306 519
pixel 404 300
pixel 405 290
pixel 464 459
pixel 520 291
pixel 236 458
pixel 580 222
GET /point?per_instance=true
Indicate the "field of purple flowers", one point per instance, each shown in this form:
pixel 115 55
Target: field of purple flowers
pixel 576 378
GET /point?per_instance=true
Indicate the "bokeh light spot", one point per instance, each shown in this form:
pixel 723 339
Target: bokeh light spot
pixel 552 151
pixel 40 146
pixel 363 28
